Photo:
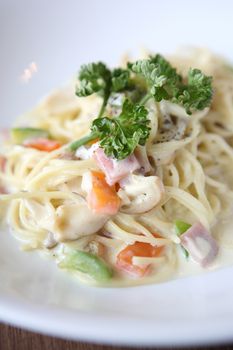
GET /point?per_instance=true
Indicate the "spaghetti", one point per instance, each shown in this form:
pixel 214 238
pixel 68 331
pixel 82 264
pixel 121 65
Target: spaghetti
pixel 191 156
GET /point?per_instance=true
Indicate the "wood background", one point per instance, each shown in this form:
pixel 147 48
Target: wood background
pixel 16 339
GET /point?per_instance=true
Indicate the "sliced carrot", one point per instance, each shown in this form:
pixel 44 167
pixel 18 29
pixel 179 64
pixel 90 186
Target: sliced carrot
pixel 141 249
pixel 42 144
pixel 102 198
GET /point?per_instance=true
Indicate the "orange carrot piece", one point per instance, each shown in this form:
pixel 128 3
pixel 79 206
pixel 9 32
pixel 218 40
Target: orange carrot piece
pixel 102 198
pixel 42 144
pixel 141 249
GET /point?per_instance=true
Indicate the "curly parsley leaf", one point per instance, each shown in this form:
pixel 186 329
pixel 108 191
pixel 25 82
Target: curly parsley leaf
pixel 197 94
pixel 127 131
pixel 162 79
pixel 120 79
pixel 98 78
pixel 93 77
pixel 119 136
pixel 144 79
pixel 164 83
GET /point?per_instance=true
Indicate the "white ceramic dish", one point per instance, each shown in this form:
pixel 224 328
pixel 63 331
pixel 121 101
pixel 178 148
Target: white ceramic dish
pixel 59 36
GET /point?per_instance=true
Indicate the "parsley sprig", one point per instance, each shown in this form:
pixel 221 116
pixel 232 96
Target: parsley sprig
pixel 197 93
pixel 119 136
pixel 164 83
pixel 127 131
pixel 154 78
pixel 98 78
pixel 162 79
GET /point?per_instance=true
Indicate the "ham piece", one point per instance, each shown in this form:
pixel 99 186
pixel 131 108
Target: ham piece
pixel 199 243
pixel 115 170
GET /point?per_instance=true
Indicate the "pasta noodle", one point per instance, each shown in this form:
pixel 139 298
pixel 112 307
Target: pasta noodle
pixel 195 168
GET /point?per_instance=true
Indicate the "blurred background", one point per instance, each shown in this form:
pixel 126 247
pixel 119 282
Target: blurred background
pixel 52 38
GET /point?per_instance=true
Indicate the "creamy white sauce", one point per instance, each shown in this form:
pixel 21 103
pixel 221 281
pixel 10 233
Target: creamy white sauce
pixel 180 268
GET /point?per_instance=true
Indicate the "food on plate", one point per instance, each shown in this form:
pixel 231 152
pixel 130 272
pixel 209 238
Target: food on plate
pixel 124 177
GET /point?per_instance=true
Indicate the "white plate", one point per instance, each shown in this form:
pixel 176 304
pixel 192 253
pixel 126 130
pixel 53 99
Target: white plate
pixel 59 36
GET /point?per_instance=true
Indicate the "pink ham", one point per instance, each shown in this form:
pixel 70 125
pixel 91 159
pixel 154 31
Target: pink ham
pixel 115 170
pixel 200 244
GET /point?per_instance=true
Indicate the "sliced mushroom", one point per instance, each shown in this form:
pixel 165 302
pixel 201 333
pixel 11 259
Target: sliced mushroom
pixel 141 155
pixel 75 220
pixel 174 122
pixel 144 193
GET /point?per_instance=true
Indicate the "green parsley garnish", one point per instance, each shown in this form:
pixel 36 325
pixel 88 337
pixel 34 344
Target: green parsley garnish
pixel 143 79
pixel 164 83
pixel 162 80
pixel 197 94
pixel 98 78
pixel 127 130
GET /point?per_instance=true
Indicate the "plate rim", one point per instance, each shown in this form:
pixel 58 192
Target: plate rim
pixel 101 329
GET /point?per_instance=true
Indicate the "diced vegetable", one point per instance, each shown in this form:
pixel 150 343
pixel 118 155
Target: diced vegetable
pixel 42 144
pixel 19 135
pixel 125 257
pixel 101 197
pixel 83 141
pixel 115 170
pixel 181 227
pixel 87 263
pixel 200 244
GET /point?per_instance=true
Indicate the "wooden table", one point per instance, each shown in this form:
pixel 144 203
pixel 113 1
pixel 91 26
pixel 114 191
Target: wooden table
pixel 16 339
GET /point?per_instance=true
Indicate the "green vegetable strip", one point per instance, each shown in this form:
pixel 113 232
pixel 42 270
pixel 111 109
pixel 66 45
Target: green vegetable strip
pixel 87 263
pixel 83 141
pixel 19 135
pixel 181 227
